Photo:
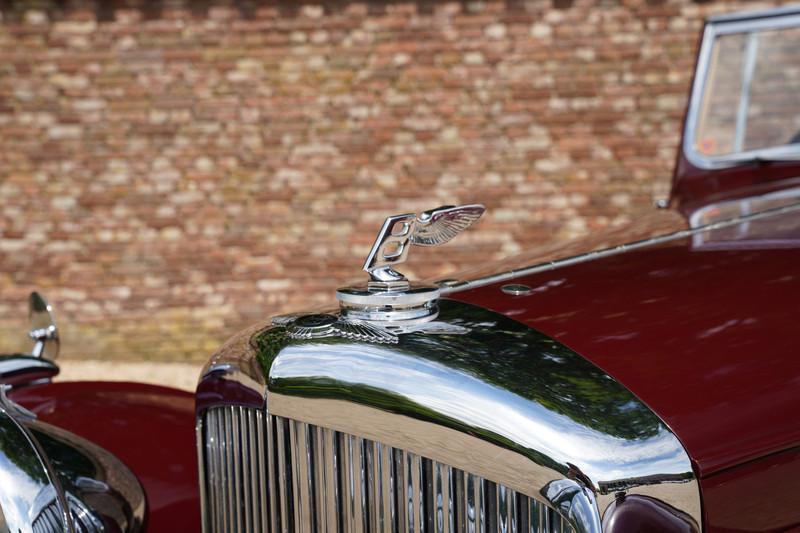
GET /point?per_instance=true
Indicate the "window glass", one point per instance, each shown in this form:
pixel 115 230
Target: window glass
pixel 751 97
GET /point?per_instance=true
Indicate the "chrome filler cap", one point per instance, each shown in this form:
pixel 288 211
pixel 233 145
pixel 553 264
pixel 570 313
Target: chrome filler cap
pixel 389 296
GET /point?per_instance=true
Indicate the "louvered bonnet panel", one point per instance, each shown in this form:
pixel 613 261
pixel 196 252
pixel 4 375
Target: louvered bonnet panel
pixel 269 473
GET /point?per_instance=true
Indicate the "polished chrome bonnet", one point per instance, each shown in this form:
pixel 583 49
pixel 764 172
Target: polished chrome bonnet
pixel 471 390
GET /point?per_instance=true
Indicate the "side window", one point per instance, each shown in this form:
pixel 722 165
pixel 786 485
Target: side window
pixel 747 96
pixel 773 113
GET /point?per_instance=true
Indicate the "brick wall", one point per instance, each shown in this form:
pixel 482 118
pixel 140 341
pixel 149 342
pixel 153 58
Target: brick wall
pixel 170 172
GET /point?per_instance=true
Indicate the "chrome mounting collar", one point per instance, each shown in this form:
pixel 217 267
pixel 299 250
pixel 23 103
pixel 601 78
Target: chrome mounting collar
pixel 389 296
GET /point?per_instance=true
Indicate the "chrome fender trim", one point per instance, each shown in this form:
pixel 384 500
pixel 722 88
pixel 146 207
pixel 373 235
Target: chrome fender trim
pixel 57 481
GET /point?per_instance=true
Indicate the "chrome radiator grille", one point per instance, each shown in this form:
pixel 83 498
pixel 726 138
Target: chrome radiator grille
pixel 267 473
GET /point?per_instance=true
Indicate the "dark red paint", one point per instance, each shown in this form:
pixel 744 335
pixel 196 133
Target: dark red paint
pixel 694 187
pixel 214 389
pixel 708 339
pixel 149 428
pixel 641 513
pixel 759 496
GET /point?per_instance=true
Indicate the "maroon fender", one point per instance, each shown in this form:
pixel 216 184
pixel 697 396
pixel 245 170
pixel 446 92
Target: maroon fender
pixel 754 496
pixel 149 428
pixel 641 513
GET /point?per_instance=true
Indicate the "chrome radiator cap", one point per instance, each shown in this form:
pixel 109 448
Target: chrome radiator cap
pixel 389 296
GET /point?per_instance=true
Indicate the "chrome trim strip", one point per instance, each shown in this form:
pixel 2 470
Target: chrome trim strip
pixel 355 446
pixel 53 480
pixel 332 481
pixel 724 25
pixel 274 482
pixel 246 479
pixel 200 438
pixel 748 70
pixel 32 495
pixel 298 482
pixel 233 503
pixel 385 470
pixel 236 432
pixel 26 368
pixel 259 477
pixel 220 461
pixel 614 250
pixel 283 476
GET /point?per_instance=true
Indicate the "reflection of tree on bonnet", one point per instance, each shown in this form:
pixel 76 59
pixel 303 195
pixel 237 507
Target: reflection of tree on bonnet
pixel 507 355
pixel 14 447
pixel 22 469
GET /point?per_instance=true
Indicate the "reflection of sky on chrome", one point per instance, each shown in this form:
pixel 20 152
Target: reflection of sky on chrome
pixel 17 493
pixel 465 397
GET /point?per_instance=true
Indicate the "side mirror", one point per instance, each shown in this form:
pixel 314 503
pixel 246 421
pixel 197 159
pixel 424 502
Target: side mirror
pixel 43 327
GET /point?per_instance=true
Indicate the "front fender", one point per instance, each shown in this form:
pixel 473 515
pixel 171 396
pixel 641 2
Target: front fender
pixel 149 428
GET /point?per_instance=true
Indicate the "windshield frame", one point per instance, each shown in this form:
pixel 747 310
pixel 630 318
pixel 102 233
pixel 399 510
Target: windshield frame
pixel 774 19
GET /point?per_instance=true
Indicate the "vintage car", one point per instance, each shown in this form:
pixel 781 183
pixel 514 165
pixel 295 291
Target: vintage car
pixel 91 457
pixel 643 380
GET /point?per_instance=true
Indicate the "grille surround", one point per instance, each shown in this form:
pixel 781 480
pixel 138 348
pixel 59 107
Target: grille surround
pixel 255 480
pixel 478 392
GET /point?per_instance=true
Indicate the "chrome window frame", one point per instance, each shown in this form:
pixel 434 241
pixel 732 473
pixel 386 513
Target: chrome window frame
pixel 781 18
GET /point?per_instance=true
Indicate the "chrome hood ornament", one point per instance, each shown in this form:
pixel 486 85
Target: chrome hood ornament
pixel 389 296
pixel 430 228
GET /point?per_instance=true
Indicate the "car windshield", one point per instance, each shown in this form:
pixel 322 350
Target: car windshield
pixel 750 100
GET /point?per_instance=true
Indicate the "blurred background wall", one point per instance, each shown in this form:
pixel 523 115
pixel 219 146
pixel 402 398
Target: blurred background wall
pixel 172 171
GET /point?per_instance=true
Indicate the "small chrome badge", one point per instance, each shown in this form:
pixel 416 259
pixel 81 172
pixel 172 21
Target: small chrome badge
pixel 320 326
pixel 323 325
pixel 389 297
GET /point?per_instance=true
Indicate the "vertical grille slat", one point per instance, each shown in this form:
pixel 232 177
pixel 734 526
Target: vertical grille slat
pixel 227 432
pixel 415 471
pixel 387 503
pixel 301 484
pixel 268 473
pixel 272 475
pixel 371 486
pixel 284 477
pixel 247 454
pixel 236 462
